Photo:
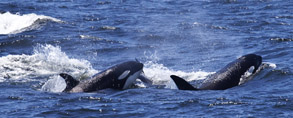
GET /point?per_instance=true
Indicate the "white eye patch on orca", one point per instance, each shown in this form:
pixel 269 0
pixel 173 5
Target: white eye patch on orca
pixel 250 70
pixel 124 74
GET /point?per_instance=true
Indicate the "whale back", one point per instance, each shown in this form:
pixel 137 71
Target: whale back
pixel 230 75
pixel 227 77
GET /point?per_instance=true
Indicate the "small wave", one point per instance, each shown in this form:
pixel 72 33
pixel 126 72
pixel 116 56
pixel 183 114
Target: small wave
pixel 108 28
pixel 227 103
pixel 90 37
pixel 47 60
pixel 209 26
pixel 281 39
pixel 104 3
pixel 16 23
pixel 285 17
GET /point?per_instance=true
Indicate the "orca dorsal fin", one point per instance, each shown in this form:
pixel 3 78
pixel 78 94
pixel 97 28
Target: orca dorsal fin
pixel 182 84
pixel 70 81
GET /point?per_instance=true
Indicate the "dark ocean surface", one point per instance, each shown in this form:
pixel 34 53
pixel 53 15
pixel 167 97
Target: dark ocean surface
pixel 193 39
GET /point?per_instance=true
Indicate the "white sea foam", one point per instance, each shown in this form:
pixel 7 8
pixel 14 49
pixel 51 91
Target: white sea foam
pixel 269 65
pixel 16 23
pixel 47 60
pixel 160 75
pixel 56 84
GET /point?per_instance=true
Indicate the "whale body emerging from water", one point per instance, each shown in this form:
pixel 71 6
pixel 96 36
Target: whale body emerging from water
pixel 120 76
pixel 225 78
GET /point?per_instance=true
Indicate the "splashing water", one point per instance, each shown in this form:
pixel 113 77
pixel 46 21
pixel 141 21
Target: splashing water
pixel 56 84
pixel 47 60
pixel 160 74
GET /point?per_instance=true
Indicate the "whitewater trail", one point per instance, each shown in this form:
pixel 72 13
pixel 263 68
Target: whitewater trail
pixel 48 61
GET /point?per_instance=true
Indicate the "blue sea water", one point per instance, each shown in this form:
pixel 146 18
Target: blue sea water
pixel 192 39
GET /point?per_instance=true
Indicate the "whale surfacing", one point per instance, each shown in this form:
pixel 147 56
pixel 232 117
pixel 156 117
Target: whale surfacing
pixel 120 76
pixel 227 77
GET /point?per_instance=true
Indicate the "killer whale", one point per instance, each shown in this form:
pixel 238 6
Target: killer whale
pixel 120 76
pixel 227 77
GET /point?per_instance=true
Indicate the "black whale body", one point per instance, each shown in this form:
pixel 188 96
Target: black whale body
pixel 120 76
pixel 227 77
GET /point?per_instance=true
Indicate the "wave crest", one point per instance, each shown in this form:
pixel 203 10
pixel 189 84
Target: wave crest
pixel 16 23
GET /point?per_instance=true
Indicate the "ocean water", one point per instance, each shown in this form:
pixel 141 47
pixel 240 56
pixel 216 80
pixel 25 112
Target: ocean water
pixel 193 39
